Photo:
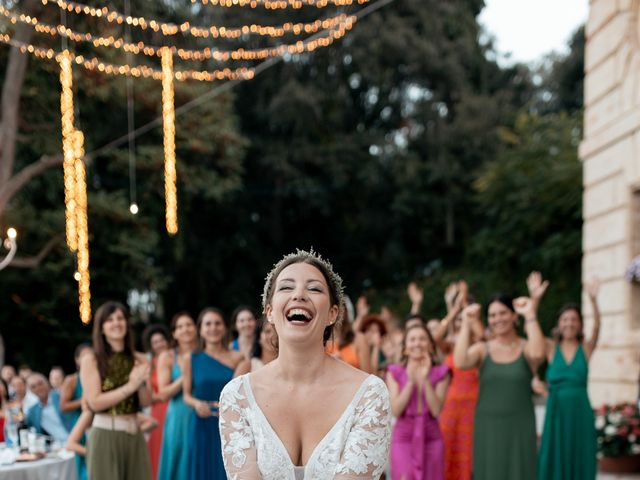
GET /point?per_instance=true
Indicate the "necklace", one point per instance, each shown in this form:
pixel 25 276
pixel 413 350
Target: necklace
pixel 507 346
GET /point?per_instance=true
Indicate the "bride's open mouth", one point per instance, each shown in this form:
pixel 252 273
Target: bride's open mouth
pixel 299 316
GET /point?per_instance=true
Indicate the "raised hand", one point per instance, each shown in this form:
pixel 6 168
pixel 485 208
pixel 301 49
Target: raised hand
pixel 416 294
pixel 450 295
pixel 362 307
pixel 525 306
pixel 139 373
pixel 592 287
pixel 203 410
pixel 463 293
pixel 536 286
pixel 471 313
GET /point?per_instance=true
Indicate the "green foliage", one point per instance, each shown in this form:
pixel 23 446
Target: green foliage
pixel 401 152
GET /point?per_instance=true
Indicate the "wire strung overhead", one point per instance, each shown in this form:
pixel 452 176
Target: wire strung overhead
pixel 279 4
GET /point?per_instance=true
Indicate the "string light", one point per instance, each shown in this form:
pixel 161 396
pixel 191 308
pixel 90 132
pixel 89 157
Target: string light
pixel 169 140
pixel 67 116
pixel 94 64
pixel 82 222
pixel 341 23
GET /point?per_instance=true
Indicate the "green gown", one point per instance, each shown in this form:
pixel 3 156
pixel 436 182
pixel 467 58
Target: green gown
pixel 504 439
pixel 568 449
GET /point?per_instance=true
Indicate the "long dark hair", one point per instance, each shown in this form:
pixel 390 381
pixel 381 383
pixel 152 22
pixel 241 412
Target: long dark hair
pixel 150 331
pixel 101 347
pixel 217 311
pixel 174 324
pixel 234 318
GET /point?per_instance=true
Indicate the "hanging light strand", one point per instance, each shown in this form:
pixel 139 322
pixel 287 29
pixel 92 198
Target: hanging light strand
pixel 336 27
pixel 169 140
pixel 67 120
pixel 280 4
pixel 82 222
pixel 93 64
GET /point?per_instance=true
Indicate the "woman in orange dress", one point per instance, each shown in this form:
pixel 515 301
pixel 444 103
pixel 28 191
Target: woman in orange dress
pixel 456 418
pixel 156 341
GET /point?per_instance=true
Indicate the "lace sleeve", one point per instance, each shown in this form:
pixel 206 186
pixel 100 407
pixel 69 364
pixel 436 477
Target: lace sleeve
pixel 238 446
pixel 366 449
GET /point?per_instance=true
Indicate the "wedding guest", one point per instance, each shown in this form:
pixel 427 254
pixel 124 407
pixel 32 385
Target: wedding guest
pixel 45 416
pixel 244 325
pixel 115 382
pixel 504 419
pixel 175 453
pixel 265 349
pixel 56 377
pixel 206 373
pixel 71 402
pixel 569 444
pixel 417 388
pixel 155 340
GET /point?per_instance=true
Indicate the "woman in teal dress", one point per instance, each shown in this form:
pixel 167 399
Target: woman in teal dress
pixel 569 445
pixel 206 373
pixel 174 456
pixel 71 404
pixel 504 439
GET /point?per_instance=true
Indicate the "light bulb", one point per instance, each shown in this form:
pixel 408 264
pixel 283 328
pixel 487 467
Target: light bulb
pixel 133 208
pixel 12 233
pixel 76 276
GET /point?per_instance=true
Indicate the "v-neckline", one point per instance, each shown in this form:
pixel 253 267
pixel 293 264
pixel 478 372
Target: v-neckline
pixel 281 445
pixel 573 359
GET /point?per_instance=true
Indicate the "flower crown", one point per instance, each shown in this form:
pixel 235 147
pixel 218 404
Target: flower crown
pixel 335 282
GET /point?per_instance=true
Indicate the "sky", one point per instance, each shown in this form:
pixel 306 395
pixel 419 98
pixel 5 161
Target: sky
pixel 529 29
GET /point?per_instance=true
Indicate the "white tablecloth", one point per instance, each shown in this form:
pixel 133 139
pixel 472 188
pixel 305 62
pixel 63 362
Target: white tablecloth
pixel 46 469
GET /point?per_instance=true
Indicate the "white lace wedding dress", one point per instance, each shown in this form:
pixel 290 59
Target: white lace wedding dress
pixel 356 447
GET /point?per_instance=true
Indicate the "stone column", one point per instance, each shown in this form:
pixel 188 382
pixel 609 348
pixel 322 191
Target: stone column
pixel 610 152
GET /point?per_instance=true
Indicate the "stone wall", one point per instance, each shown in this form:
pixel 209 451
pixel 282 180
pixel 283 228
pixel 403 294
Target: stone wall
pixel 610 153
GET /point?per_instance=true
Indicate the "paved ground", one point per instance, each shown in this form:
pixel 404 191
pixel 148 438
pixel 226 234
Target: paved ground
pixel 608 476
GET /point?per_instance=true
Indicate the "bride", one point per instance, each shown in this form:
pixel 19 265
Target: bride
pixel 305 415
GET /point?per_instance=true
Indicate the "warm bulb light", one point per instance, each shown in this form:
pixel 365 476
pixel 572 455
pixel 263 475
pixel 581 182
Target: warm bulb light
pixel 133 208
pixel 77 276
pixel 12 233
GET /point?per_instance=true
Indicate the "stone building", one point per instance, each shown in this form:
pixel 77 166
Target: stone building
pixel 610 152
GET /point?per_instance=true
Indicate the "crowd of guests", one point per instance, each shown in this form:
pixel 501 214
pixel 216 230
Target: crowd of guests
pixel 460 390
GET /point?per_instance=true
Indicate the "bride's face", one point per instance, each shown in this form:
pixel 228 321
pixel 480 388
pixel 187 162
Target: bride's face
pixel 300 308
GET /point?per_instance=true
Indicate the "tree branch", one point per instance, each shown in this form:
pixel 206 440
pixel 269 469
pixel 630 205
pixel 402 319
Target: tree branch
pixel 34 261
pixel 15 183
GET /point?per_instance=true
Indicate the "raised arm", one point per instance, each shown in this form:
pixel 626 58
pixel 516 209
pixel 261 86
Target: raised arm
pixel 592 288
pixel 535 347
pixel 238 445
pixel 97 400
pixel 416 295
pixel 466 355
pixel 66 394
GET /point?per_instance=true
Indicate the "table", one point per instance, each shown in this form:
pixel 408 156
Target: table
pixel 53 468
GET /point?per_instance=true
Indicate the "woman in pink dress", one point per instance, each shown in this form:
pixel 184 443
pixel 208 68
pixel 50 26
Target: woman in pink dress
pixel 417 388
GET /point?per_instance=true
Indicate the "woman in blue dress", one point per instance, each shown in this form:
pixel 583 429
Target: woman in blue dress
pixel 206 373
pixel 174 457
pixel 71 404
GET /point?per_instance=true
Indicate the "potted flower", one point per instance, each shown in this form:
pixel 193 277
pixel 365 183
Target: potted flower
pixel 633 270
pixel 618 433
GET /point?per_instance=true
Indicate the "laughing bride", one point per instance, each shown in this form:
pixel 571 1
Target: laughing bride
pixel 305 415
